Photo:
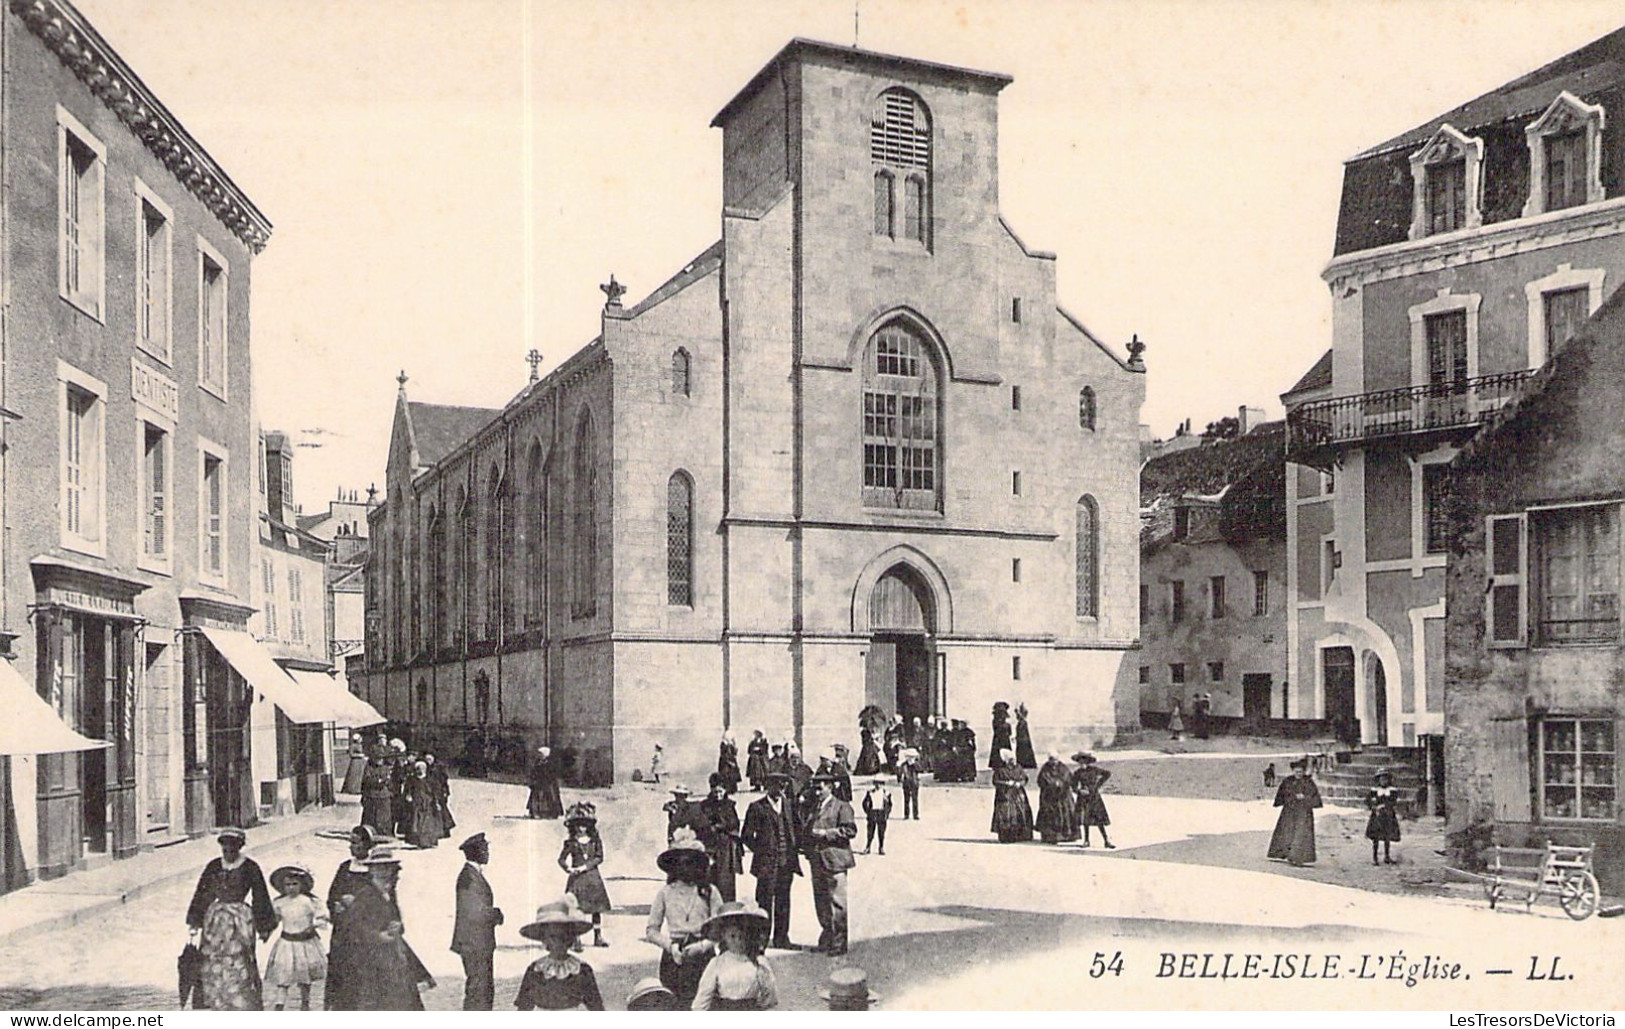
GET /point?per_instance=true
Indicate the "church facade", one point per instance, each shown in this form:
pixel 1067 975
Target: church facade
pixel 854 453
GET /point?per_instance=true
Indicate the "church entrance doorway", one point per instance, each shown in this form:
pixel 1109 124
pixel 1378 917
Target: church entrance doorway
pixel 899 666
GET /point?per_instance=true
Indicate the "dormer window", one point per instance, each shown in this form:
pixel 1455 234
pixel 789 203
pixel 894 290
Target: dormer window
pixel 900 149
pixel 1565 155
pixel 1447 184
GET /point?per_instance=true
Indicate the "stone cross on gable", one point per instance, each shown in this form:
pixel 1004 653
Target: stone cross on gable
pixel 613 290
pixel 534 359
pixel 1135 349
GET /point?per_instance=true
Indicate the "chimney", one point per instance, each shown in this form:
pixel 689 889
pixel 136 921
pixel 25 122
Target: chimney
pixel 1250 418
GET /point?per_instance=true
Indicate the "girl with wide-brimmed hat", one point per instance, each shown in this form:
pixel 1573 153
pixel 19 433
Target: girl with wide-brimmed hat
pixel 1088 780
pixel 296 957
pixel 558 980
pixel 678 915
pixel 1383 825
pixel 583 852
pixel 739 977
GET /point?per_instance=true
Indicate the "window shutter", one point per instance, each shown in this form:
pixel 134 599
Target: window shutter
pixel 1506 606
pixel 1509 741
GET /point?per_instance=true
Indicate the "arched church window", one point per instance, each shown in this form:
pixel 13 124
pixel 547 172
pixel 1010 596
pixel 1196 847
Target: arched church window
pixel 679 373
pixel 900 148
pixel 902 466
pixel 680 541
pixel 1087 551
pixel 1086 409
pixel 584 520
pixel 536 539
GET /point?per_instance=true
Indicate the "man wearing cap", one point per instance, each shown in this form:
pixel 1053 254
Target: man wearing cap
pixel 473 938
pixel 829 830
pixel 908 777
pixel 770 833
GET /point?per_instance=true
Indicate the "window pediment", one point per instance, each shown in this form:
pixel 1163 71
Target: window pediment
pixel 1567 116
pixel 1430 166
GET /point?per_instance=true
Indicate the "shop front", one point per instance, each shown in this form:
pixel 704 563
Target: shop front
pixel 87 633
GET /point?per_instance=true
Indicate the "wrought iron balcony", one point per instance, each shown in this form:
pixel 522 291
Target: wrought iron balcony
pixel 1315 430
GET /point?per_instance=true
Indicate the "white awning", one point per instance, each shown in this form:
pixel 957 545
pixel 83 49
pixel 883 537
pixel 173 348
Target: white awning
pixel 348 711
pixel 254 663
pixel 29 726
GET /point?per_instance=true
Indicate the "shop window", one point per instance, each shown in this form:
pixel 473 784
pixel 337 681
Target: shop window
pixel 1577 774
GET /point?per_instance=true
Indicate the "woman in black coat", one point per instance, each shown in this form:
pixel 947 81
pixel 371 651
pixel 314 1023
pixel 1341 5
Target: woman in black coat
pixel 544 800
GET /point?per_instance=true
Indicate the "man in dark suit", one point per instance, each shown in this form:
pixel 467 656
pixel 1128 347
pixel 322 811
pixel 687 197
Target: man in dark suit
pixel 474 937
pixel 770 833
pixel 829 829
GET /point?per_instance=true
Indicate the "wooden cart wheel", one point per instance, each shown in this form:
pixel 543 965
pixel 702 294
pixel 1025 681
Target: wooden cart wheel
pixel 1579 895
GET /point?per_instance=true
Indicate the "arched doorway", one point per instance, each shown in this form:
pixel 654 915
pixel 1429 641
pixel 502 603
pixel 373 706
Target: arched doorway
pixel 1337 678
pixel 898 670
pixel 1376 691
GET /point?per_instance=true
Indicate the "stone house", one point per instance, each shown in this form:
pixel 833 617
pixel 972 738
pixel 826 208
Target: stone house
pixel 1213 579
pixel 1535 645
pixel 854 452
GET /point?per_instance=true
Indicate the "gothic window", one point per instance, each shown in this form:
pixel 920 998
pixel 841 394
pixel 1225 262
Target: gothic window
pixel 584 528
pixel 902 465
pixel 900 148
pixel 1088 558
pixel 536 539
pixel 1086 409
pixel 457 586
pixel 437 581
pixel 679 373
pixel 495 502
pixel 680 541
pixel 885 204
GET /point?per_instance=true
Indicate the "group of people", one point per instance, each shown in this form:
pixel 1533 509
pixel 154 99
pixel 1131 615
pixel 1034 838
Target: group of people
pixel 403 794
pixel 1297 796
pixel 1069 801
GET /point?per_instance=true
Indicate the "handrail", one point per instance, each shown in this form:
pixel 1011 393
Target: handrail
pixel 1396 412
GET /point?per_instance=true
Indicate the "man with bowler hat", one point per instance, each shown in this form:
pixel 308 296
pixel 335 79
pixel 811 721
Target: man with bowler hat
pixel 830 827
pixel 474 938
pixel 770 833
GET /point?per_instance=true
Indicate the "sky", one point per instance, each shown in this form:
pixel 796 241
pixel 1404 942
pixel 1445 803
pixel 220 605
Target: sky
pixel 450 180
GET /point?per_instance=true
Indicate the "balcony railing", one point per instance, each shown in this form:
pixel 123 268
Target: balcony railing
pixel 1325 424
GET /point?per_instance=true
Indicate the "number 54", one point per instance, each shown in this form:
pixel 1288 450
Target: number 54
pixel 1106 963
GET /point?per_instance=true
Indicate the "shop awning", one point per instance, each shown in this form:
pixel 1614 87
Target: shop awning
pixel 254 663
pixel 29 725
pixel 348 710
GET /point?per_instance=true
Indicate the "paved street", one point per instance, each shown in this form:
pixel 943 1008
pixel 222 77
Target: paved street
pixel 947 919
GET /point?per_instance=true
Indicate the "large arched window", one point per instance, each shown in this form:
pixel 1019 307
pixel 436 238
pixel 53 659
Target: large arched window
pixel 1088 558
pixel 680 540
pixel 680 384
pixel 436 586
pixel 397 580
pixel 902 464
pixel 495 501
pixel 1086 409
pixel 536 539
pixel 584 527
pixel 457 593
pixel 900 148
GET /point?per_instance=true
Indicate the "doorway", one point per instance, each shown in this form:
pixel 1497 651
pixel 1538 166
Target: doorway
pixel 1255 698
pixel 1337 675
pixel 229 698
pixel 93 716
pixel 1376 688
pixel 899 666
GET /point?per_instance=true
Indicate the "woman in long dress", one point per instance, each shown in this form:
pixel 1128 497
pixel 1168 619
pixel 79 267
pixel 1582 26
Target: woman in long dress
pixel 756 760
pixel 728 761
pixel 426 828
pixel 357 768
pixel 544 801
pixel 442 794
pixel 1087 781
pixel 868 753
pixel 1001 735
pixel 229 908
pixel 345 976
pixel 580 857
pixel 1012 812
pixel 1294 837
pixel 1057 805
pixel 1024 740
pixel 716 822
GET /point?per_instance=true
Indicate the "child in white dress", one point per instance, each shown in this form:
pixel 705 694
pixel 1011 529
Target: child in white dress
pixel 296 957
pixel 738 978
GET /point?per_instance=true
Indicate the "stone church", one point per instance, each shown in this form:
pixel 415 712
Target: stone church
pixel 855 452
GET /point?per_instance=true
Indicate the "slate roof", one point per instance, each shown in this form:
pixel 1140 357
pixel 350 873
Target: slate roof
pixel 441 428
pixel 1593 68
pixel 1319 376
pixel 1207 470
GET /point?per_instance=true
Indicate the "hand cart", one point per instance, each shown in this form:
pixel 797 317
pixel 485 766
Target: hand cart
pixel 1561 872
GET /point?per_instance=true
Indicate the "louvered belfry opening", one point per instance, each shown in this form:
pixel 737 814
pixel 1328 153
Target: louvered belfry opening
pixel 900 148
